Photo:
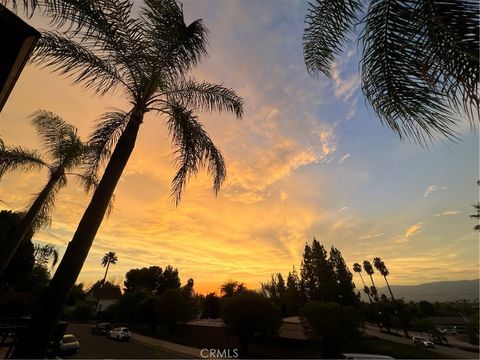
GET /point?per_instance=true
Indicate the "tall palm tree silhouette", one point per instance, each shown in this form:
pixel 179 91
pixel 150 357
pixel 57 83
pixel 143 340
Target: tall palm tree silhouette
pixel 420 59
pixel 108 258
pixel 64 153
pixel 382 268
pixel 147 58
pixel 358 269
pixel 367 266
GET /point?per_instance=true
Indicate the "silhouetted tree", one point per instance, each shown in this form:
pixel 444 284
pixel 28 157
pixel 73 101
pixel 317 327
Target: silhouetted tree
pixel 317 275
pixel 144 279
pixel 426 308
pixel 247 314
pixel 420 60
pixel 148 57
pixel 65 152
pixel 358 269
pixel 172 308
pixel 293 293
pixel 76 294
pixel 367 266
pixel 276 291
pixel 332 324
pixel 211 306
pixel 477 214
pixel 108 258
pixel 230 288
pixel 187 289
pixel 168 280
pixel 23 261
pixel 44 253
pixel 382 268
pixel 345 288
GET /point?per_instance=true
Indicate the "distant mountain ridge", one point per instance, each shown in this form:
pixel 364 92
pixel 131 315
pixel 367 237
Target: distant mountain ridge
pixel 436 291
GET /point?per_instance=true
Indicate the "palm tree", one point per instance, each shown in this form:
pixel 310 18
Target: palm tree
pixel 367 266
pixel 43 254
pixel 382 268
pixel 358 269
pixel 65 152
pixel 108 258
pixel 420 59
pixel 146 57
pixel 477 215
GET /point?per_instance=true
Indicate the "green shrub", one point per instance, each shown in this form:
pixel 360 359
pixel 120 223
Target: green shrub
pixel 332 324
pixel 248 313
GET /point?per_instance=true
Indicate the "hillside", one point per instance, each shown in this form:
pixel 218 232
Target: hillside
pixel 436 291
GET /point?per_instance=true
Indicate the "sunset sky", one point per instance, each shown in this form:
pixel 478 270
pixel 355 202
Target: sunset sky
pixel 309 158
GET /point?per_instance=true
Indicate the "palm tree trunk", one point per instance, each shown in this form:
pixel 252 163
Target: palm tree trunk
pixel 388 285
pixel 27 221
pixel 364 286
pixel 34 344
pixel 106 271
pixel 375 295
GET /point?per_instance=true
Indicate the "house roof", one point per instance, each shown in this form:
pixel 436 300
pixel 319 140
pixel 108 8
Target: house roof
pixel 107 292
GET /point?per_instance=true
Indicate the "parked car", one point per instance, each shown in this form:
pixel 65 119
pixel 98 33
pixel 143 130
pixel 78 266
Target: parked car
pixel 449 332
pixel 102 328
pixel 120 333
pixel 69 344
pixel 422 342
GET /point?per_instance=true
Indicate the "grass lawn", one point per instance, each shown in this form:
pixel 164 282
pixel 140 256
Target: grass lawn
pixel 396 350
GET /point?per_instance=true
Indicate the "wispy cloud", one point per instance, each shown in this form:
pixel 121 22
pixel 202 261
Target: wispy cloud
pixel 343 158
pixel 371 236
pixel 448 212
pixel 413 230
pixel 343 209
pixel 433 188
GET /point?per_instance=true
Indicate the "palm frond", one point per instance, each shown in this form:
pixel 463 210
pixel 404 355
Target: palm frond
pixel 453 30
pixel 204 96
pixel 29 6
pixel 194 151
pixel 420 59
pixel 43 217
pixel 43 254
pixel 173 43
pixel 329 23
pixel 103 139
pixel 75 60
pixel 392 77
pixel 19 159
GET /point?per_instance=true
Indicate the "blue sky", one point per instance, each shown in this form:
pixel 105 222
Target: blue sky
pixel 309 158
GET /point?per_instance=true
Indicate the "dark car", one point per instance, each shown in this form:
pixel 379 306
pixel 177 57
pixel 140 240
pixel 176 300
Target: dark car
pixel 102 328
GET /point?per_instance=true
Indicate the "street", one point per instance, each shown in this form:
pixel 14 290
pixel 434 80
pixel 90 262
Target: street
pixel 443 350
pixel 97 346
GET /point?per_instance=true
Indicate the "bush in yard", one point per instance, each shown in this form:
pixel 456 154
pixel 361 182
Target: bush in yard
pixel 332 324
pixel 172 307
pixel 248 313
pixel 211 307
pixel 146 313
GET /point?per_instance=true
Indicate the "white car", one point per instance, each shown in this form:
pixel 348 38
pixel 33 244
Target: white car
pixel 422 342
pixel 69 343
pixel 120 333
